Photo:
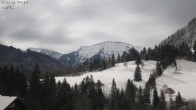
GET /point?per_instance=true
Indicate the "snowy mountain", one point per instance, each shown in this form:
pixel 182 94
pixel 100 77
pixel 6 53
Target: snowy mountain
pixel 103 50
pixel 182 81
pixel 53 54
pixel 187 33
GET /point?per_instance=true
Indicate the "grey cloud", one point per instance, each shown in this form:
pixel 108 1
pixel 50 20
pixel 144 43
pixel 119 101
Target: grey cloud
pixel 66 25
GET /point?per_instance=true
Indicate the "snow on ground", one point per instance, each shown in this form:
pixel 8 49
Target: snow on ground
pixel 184 82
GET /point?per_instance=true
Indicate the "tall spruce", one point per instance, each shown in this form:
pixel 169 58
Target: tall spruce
pixel 158 69
pixel 113 98
pixel 100 98
pixel 179 101
pixel 137 75
pixel 130 94
pixel 146 94
pixel 194 47
pixel 64 97
pixel 156 99
pixel 152 81
pixel 36 89
pixel 162 105
pixel 113 60
pixel 140 98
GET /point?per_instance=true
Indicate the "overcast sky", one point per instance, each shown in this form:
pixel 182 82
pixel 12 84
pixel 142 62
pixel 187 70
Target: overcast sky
pixel 65 25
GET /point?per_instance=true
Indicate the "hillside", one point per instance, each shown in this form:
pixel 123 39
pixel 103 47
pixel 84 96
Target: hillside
pixel 187 34
pixel 53 54
pixel 184 82
pixel 26 60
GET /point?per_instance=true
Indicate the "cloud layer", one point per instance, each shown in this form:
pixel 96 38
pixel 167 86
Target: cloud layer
pixel 66 25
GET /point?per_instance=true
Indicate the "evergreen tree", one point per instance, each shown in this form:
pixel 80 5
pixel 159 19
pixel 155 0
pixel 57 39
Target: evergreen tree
pixel 146 94
pixel 51 93
pixel 118 58
pixel 130 94
pixel 162 105
pixel 113 98
pixel 21 83
pixel 179 100
pixel 156 99
pixel 91 66
pixel 140 100
pixel 100 98
pixel 194 47
pixel 35 89
pixel 113 60
pixel 152 81
pixel 64 97
pixel 138 60
pixel 158 69
pixel 137 75
pixel 104 64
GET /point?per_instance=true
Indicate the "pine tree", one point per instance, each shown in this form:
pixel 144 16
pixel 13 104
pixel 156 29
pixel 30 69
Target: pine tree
pixel 100 98
pixel 113 98
pixel 194 47
pixel 158 69
pixel 51 93
pixel 146 94
pixel 118 58
pixel 137 75
pixel 138 60
pixel 113 60
pixel 140 95
pixel 162 105
pixel 64 97
pixel 104 64
pixel 130 94
pixel 152 81
pixel 35 84
pixel 21 83
pixel 35 89
pixel 156 99
pixel 179 100
pixel 91 66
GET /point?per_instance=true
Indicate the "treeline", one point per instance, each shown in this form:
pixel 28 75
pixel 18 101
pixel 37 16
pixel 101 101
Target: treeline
pixel 165 56
pixel 99 63
pixel 41 92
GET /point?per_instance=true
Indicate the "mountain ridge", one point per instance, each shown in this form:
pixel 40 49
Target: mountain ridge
pixel 26 60
pixel 51 53
pixel 187 34
pixel 103 50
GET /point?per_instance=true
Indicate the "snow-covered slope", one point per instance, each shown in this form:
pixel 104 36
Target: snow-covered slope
pixel 104 50
pixel 186 34
pixel 184 82
pixel 53 54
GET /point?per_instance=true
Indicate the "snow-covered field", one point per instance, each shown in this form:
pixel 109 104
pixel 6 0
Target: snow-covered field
pixel 185 82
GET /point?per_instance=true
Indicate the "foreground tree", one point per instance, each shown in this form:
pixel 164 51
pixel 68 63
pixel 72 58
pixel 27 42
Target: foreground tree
pixel 156 99
pixel 113 98
pixel 146 94
pixel 179 101
pixel 35 89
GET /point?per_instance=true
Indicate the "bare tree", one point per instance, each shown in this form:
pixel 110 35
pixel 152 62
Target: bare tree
pixel 125 65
